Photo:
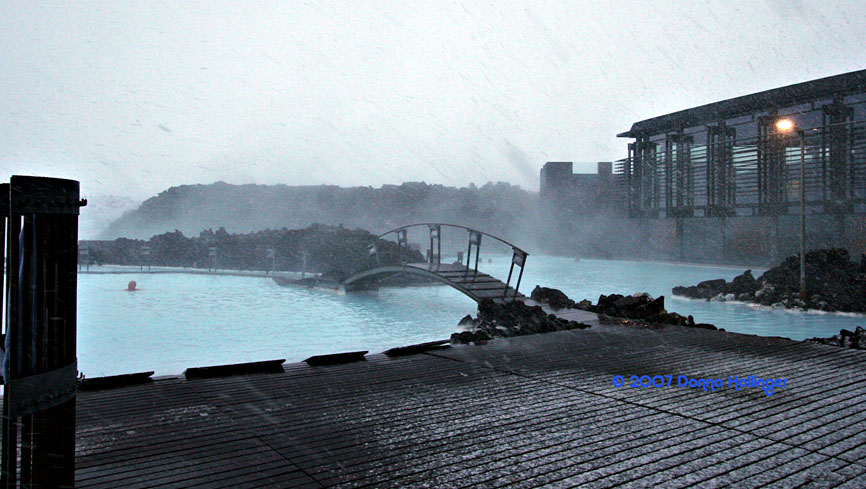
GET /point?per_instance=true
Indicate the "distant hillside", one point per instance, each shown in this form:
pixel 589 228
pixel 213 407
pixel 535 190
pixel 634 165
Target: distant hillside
pixel 100 212
pixel 500 208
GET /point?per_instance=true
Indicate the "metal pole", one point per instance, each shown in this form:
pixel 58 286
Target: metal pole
pixel 468 254
pixel 802 215
pixel 517 285
pixel 477 254
pixel 402 246
pixel 508 281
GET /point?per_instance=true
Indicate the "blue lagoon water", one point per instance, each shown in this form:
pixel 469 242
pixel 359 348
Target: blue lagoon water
pixel 177 320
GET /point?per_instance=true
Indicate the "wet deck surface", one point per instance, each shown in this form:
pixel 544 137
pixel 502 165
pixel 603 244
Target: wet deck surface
pixel 531 411
pixel 479 284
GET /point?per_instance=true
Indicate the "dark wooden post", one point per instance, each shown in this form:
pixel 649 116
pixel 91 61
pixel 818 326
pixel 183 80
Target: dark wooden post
pixel 9 433
pixel 40 366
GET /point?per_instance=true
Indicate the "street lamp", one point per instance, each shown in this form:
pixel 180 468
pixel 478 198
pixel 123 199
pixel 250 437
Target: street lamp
pixel 788 126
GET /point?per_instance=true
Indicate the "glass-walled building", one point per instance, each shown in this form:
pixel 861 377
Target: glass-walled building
pixel 729 160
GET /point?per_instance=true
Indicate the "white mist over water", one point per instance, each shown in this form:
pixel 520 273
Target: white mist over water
pixel 180 320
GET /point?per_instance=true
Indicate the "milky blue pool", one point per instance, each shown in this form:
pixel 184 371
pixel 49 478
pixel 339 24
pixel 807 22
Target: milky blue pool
pixel 179 320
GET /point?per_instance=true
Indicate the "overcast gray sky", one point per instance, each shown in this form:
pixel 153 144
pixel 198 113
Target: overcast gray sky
pixel 133 97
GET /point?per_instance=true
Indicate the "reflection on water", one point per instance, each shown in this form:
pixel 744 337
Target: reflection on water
pixel 177 321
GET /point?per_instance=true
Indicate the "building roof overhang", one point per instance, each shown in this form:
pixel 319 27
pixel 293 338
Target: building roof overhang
pixel 844 84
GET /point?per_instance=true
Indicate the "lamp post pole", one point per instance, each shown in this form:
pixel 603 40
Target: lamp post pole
pixel 787 126
pixel 802 215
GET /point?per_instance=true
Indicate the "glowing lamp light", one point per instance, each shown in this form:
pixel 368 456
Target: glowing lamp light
pixel 785 125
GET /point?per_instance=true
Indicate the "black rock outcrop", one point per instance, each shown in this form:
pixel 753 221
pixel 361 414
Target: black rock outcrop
pixel 553 297
pixel 710 289
pixel 833 283
pixel 642 307
pixel 509 319
pixel 847 339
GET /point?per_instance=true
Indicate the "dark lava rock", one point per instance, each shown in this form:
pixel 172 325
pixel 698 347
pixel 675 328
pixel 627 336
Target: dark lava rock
pixel 653 307
pixel 846 339
pixel 741 284
pixel 704 326
pixel 704 290
pixel 467 337
pixel 833 282
pixel 554 297
pixel 641 307
pixel 509 319
pixel 466 321
pixel 716 284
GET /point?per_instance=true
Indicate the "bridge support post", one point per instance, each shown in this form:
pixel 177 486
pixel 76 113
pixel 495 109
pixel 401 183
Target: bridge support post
pixel 402 245
pixel 519 259
pixel 435 238
pixel 474 239
pixel 468 254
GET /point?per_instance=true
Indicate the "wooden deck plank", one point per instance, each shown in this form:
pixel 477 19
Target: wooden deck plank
pixel 518 412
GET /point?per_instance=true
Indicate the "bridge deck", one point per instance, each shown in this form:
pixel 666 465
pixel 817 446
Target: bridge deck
pixel 529 411
pixel 479 283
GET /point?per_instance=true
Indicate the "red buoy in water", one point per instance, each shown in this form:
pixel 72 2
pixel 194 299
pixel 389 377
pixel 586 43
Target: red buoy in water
pixel 131 286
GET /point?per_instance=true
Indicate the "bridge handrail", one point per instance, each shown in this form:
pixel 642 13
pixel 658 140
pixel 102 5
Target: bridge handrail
pixel 434 255
pixel 512 245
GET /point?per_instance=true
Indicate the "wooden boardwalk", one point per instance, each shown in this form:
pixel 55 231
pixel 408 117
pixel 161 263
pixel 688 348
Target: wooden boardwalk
pixel 530 411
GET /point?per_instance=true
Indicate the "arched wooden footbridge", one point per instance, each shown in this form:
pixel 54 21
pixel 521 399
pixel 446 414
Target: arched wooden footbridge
pixel 465 278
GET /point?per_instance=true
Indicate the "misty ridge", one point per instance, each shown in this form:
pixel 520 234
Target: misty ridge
pixel 500 208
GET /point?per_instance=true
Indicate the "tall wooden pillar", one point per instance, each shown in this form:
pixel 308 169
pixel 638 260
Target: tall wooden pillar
pixel 40 367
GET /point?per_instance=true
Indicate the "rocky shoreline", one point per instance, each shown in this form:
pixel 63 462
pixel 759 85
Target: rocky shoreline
pixel 515 318
pixel 640 306
pixel 508 319
pixel 834 283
